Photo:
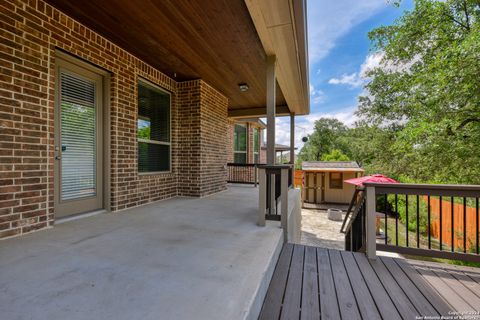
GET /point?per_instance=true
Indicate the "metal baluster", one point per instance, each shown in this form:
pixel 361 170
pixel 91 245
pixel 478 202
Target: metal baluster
pixel 441 226
pixel 396 219
pixel 386 221
pixel 464 225
pixel 428 222
pixel 406 218
pixel 477 223
pixel 453 229
pixel 418 221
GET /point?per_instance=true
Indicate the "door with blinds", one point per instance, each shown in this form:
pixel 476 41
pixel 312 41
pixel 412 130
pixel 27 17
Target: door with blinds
pixel 78 140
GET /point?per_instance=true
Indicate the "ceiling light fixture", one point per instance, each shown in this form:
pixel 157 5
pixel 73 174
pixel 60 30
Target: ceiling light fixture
pixel 243 87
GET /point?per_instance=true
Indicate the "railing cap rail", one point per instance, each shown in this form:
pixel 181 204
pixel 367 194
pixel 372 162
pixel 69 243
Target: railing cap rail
pixel 460 187
pixel 232 164
pixel 275 166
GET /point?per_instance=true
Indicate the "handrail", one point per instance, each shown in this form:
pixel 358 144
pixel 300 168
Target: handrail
pixel 349 210
pixel 424 186
pixel 233 164
pixel 426 189
pixel 421 219
pixel 356 208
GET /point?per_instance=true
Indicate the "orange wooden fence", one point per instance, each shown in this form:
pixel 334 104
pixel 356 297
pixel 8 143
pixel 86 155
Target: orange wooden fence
pixel 298 178
pixel 458 233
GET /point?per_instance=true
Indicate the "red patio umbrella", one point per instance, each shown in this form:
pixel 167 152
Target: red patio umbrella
pixel 377 178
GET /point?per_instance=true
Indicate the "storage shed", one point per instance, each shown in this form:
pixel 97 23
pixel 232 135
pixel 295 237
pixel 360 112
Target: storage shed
pixel 323 181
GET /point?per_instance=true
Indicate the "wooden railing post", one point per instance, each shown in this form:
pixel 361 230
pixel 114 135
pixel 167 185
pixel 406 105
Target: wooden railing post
pixel 371 237
pixel 262 197
pixel 284 201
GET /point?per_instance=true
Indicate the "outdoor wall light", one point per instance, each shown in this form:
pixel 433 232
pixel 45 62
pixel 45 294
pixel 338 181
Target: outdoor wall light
pixel 243 87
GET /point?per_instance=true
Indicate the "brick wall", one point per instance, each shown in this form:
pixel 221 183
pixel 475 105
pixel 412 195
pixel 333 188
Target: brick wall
pixel 230 128
pixel 189 138
pixel 213 117
pixel 30 32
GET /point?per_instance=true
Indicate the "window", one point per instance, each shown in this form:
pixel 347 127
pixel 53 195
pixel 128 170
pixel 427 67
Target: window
pixel 153 128
pixel 336 180
pixel 256 144
pixel 240 144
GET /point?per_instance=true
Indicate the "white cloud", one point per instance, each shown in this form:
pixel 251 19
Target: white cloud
pixel 329 20
pixel 371 62
pixel 354 80
pixel 316 96
pixel 358 79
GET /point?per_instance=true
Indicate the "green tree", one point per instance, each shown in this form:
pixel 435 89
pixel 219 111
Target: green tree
pixel 424 98
pixel 335 155
pixel 326 137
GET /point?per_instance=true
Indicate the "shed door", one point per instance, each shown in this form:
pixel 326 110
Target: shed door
pixel 314 187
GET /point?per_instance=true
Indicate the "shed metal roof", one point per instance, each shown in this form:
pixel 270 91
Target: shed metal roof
pixel 331 166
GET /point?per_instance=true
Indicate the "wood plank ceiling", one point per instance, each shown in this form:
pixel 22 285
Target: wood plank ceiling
pixel 213 40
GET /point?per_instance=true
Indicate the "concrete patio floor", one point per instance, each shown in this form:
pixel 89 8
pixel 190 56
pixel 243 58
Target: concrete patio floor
pixel 182 258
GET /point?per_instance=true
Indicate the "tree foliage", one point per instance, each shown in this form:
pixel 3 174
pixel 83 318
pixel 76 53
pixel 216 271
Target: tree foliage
pixel 335 155
pixel 421 108
pixel 327 136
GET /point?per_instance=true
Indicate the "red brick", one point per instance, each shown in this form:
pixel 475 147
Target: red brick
pixel 30 32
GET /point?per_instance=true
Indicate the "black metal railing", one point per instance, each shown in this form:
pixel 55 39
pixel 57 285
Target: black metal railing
pixel 427 220
pixel 354 223
pixel 242 173
pixel 278 181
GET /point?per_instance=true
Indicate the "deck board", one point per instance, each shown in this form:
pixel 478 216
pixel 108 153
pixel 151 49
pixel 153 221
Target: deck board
pixel 319 283
pixel 328 296
pixel 273 300
pixel 403 304
pixel 346 298
pixel 385 305
pixel 462 291
pixel 293 292
pixel 423 306
pixel 310 304
pixel 436 300
pixel 443 289
pixel 365 302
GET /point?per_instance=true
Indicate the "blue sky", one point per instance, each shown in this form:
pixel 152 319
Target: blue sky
pixel 339 53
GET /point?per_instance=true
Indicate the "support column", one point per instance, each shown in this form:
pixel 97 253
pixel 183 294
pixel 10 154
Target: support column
pixel 271 61
pixel 292 138
pixel 371 230
pixel 292 146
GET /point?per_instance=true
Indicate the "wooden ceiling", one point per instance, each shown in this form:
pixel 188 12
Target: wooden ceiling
pixel 214 40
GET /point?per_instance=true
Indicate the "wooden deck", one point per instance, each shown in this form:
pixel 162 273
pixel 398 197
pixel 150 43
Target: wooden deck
pixel 313 283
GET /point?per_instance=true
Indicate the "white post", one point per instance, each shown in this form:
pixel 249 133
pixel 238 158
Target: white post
pixel 371 236
pixel 262 199
pixel 292 138
pixel 292 147
pixel 271 60
pixel 284 200
pixel 271 85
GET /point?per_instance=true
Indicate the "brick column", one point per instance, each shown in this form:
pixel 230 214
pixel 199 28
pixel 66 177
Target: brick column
pixel 202 139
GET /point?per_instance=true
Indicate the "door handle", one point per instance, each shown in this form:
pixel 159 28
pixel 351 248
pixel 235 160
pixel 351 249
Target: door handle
pixel 58 157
